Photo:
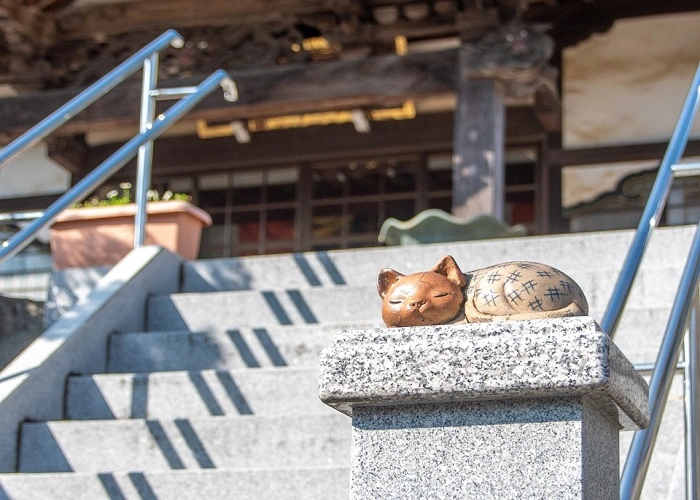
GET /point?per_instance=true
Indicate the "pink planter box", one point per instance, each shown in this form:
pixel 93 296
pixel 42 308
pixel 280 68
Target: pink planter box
pixel 99 236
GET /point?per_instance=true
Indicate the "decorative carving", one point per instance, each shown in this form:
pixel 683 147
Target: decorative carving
pixel 20 35
pixel 78 45
pixel 278 40
pixel 510 291
pixel 516 55
pixel 53 42
pixel 631 194
pixel 81 62
pixel 515 46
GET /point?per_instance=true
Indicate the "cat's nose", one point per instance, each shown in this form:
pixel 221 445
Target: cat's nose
pixel 415 304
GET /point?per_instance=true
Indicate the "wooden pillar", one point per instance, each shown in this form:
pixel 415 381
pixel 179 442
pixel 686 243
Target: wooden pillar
pixel 551 189
pixel 477 165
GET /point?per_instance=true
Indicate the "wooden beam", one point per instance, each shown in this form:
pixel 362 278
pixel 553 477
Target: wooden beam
pixel 550 178
pixel 69 152
pixel 425 134
pixel 27 204
pixel 381 81
pixel 547 109
pixel 81 23
pixel 188 154
pixel 613 154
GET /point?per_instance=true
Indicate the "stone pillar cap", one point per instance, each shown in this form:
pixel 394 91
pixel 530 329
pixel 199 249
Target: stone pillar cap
pixel 484 361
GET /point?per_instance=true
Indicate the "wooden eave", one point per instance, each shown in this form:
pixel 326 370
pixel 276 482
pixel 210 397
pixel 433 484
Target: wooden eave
pixel 374 82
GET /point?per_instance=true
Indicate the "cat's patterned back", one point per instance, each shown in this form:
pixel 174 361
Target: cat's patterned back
pixel 522 290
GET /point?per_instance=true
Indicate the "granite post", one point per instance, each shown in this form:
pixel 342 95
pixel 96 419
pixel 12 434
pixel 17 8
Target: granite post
pixel 518 409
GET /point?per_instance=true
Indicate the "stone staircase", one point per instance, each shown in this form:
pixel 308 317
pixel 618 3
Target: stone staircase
pixel 218 397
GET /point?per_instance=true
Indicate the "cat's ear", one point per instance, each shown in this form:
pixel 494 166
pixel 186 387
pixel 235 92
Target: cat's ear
pixel 386 278
pixel 449 269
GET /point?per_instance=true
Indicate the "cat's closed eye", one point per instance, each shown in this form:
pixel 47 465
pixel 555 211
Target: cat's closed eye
pixel 441 294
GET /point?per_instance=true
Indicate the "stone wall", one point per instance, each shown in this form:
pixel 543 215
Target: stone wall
pixel 21 321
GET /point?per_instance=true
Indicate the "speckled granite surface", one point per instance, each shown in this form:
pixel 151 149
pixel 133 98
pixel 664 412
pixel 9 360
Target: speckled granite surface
pixel 483 362
pixel 560 448
pixel 512 410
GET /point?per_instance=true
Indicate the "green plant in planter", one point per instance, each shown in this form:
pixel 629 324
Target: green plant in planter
pixel 123 196
pixel 103 236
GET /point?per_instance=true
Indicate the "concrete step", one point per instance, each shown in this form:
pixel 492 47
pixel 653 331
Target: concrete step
pixel 228 310
pixel 222 350
pixel 665 478
pixel 260 392
pixel 571 253
pixel 188 443
pixel 639 332
pixel 639 336
pixel 318 483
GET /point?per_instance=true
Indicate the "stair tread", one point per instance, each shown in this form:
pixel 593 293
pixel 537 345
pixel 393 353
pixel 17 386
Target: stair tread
pixel 264 391
pixel 568 252
pixel 236 348
pixel 262 308
pixel 185 443
pixel 639 334
pixel 292 483
pixel 261 371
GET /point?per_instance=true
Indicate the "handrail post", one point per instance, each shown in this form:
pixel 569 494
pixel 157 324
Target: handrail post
pixel 639 454
pixel 145 153
pixel 692 410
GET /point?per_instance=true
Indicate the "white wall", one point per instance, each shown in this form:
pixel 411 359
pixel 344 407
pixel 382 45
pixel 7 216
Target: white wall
pixel 625 86
pixel 33 173
pixel 629 84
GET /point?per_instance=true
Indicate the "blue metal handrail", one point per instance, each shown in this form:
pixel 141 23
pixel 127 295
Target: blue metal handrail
pixel 149 130
pixel 639 455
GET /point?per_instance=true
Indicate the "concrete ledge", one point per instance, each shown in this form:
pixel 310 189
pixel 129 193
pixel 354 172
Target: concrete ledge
pixel 482 362
pixel 67 287
pixel 32 386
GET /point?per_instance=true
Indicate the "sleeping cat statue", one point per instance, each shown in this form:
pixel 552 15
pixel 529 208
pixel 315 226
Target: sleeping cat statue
pixel 509 291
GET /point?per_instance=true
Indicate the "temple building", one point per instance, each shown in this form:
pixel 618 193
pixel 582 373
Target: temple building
pixel 552 114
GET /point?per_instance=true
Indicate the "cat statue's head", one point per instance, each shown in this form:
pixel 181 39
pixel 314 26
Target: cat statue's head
pixel 433 297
